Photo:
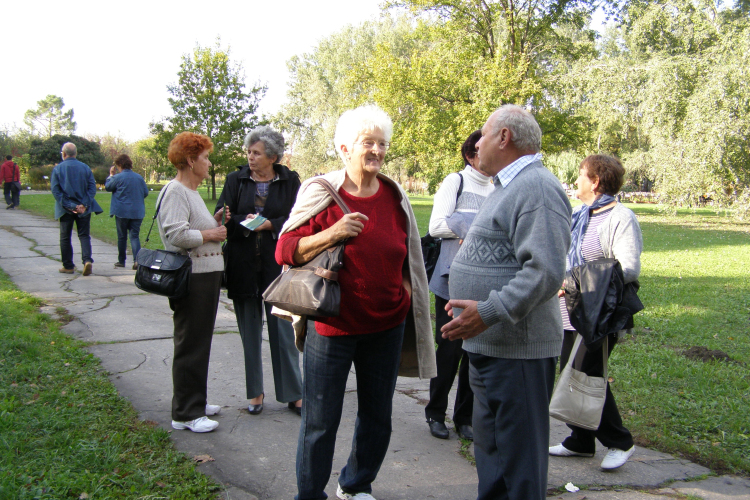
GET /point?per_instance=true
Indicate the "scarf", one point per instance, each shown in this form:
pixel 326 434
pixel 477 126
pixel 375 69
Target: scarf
pixel 579 223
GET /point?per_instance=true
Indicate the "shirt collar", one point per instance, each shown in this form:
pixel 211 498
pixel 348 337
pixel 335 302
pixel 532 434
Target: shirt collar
pixel 506 175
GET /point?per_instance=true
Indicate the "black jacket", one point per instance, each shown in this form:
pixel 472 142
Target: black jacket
pixel 249 256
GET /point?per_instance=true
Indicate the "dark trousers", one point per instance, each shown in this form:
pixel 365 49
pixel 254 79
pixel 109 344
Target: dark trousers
pixel 83 225
pixel 287 378
pixel 194 318
pixel 450 358
pixel 326 364
pixel 125 227
pixel 12 193
pixel 611 433
pixel 511 425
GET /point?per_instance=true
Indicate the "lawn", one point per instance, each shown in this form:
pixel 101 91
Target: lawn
pixel 64 430
pixel 682 379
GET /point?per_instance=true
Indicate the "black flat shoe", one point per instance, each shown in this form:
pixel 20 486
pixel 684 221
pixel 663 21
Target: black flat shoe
pixel 438 429
pixel 296 409
pixel 465 431
pixel 256 409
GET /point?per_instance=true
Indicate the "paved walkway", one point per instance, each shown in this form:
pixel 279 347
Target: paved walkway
pixel 254 456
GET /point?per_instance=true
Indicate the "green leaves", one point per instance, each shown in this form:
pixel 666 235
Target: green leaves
pixel 49 117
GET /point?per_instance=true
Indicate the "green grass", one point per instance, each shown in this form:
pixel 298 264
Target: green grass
pixel 64 431
pixel 695 284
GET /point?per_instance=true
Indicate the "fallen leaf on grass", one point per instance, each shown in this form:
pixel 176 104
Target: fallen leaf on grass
pixel 202 459
pixel 83 496
pixel 572 487
pixel 160 484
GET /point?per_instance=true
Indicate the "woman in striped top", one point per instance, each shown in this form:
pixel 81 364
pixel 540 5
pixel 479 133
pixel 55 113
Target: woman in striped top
pixel 602 228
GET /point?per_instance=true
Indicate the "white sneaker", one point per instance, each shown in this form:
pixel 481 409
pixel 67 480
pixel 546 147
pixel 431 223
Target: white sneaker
pixel 202 424
pixel 349 496
pixel 212 409
pixel 616 458
pixel 561 451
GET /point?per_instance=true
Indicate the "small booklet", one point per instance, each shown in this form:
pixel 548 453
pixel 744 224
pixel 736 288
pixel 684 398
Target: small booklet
pixel 253 224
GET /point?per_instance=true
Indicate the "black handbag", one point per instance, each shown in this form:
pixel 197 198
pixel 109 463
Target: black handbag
pixel 311 289
pixel 162 272
pixel 431 245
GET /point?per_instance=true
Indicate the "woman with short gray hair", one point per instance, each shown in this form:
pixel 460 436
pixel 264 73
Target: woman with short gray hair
pixel 262 188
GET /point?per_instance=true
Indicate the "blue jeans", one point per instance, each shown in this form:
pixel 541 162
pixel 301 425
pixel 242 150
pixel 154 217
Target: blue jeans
pixel 83 225
pixel 326 365
pixel 125 227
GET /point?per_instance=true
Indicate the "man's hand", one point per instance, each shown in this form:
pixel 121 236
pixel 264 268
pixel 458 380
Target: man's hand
pixel 80 209
pixel 468 324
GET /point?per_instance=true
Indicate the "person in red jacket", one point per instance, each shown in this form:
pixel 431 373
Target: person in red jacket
pixel 12 182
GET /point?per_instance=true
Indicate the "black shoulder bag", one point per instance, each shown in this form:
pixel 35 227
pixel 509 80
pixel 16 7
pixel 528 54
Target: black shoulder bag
pixel 431 245
pixel 163 272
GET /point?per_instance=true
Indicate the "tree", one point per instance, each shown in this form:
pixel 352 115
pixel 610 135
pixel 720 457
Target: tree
pixel 47 151
pixel 210 98
pixel 50 118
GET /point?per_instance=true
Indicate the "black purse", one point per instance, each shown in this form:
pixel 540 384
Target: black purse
pixel 162 272
pixel 311 289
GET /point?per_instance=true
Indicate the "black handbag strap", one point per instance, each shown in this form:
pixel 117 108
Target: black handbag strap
pixel 576 347
pixel 158 207
pixel 334 194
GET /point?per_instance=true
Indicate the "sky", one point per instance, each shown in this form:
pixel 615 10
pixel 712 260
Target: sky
pixel 112 61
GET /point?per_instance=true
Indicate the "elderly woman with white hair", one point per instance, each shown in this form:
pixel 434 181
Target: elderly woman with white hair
pixel 384 324
pixel 265 188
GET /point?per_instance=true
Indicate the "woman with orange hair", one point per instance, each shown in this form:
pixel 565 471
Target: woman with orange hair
pixel 186 226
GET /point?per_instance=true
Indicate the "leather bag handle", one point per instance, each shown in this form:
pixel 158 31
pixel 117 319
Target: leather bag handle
pixel 334 194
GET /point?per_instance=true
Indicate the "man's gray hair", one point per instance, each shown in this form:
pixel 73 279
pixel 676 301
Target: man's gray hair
pixel 272 140
pixel 525 132
pixel 355 122
pixel 70 149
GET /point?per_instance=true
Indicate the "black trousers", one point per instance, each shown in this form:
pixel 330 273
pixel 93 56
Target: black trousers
pixel 611 433
pixel 194 318
pixel 450 358
pixel 511 426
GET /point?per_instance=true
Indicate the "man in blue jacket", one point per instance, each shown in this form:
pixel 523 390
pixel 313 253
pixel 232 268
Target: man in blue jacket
pixel 128 208
pixel 74 188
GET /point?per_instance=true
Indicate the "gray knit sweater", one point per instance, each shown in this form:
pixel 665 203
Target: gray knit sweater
pixel 512 262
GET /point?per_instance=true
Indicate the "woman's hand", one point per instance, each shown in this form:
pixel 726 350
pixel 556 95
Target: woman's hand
pixel 217 215
pixel 112 170
pixel 349 226
pixel 266 226
pixel 215 234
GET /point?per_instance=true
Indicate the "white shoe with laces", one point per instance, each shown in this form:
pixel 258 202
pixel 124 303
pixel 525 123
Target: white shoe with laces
pixel 202 424
pixel 616 458
pixel 212 410
pixel 561 451
pixel 352 496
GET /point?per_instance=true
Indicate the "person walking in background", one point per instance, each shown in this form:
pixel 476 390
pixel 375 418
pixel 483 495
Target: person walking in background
pixel 264 188
pixel 603 228
pixel 11 175
pixel 74 188
pixel 456 203
pixel 128 208
pixel 187 227
pixel 503 296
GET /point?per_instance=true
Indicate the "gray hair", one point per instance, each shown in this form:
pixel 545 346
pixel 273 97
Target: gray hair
pixel 70 149
pixel 354 122
pixel 272 140
pixel 525 132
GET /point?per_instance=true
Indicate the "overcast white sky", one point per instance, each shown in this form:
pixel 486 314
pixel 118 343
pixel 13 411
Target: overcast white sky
pixel 111 61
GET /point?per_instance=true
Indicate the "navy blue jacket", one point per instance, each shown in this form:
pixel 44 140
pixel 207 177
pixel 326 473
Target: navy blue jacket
pixel 73 184
pixel 128 191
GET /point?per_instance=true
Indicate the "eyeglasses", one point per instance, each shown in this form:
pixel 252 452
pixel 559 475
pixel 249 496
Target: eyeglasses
pixel 369 144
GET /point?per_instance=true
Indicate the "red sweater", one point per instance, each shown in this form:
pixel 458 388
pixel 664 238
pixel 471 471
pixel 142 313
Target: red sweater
pixel 373 297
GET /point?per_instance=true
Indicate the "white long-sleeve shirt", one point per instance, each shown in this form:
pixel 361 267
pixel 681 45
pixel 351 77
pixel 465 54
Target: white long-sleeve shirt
pixel 476 188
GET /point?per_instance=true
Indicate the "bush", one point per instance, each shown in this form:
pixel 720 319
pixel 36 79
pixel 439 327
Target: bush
pixel 37 175
pixel 155 187
pixel 100 174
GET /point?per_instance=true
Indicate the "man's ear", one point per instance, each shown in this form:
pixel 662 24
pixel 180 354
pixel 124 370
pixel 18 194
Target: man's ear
pixel 504 137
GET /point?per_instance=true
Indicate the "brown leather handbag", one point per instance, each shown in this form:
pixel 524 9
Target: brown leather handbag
pixel 311 289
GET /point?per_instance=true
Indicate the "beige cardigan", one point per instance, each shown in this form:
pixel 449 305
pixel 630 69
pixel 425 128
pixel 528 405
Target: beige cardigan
pixel 418 351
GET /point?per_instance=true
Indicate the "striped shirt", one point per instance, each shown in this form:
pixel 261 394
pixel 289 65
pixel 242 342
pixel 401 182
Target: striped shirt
pixel 511 171
pixel 591 248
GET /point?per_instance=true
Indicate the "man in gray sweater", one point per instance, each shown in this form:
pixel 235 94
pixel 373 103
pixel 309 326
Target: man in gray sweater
pixel 503 288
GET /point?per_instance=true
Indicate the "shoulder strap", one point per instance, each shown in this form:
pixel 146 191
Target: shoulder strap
pixel 460 186
pixel 334 194
pixel 158 207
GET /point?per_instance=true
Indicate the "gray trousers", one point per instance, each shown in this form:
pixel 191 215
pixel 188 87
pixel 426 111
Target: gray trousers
pixel 284 354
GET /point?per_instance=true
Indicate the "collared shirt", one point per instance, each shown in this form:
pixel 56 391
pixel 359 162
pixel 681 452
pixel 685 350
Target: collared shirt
pixel 511 171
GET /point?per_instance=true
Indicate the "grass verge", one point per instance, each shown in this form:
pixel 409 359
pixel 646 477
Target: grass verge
pixel 64 430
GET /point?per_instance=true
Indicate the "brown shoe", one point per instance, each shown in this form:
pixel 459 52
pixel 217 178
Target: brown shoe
pixel 67 271
pixel 135 266
pixel 87 268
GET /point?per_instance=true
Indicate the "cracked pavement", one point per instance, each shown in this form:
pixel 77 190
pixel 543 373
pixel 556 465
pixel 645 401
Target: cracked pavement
pixel 130 331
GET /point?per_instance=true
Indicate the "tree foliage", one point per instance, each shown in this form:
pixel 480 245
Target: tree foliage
pixel 49 117
pixel 210 98
pixel 47 151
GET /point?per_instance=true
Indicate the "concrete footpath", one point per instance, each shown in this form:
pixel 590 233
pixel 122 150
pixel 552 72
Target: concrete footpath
pixel 254 456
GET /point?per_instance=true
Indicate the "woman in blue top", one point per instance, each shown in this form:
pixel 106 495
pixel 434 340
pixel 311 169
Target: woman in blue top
pixel 128 208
